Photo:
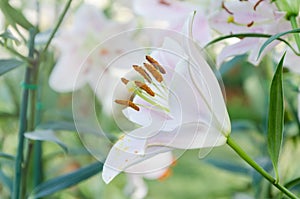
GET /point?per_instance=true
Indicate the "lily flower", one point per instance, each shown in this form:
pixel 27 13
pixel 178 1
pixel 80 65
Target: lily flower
pixel 84 54
pixel 136 187
pixel 253 16
pixel 176 103
pixel 172 14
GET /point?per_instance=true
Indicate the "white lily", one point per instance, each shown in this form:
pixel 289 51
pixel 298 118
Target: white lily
pixel 251 16
pixel 173 14
pixel 84 54
pixel 136 188
pixel 180 107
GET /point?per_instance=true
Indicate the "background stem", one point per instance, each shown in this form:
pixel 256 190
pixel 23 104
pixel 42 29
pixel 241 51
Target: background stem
pixel 23 124
pixel 295 26
pixel 61 17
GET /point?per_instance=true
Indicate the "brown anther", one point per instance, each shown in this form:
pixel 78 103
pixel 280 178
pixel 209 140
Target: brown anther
pixel 164 2
pixel 155 73
pixel 124 80
pixel 128 104
pixel 155 64
pixel 250 24
pixel 257 3
pixel 144 87
pixel 142 72
pixel 226 9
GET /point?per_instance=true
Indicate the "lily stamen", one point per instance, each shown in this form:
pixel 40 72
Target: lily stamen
pixel 151 101
pixel 145 91
pixel 128 103
pixel 144 87
pixel 155 64
pixel 142 72
pixel 155 73
pixel 124 80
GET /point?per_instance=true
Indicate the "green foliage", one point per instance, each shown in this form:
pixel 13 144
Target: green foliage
pixel 46 135
pixel 5 180
pixel 14 16
pixel 277 37
pixel 65 181
pixel 7 65
pixel 276 117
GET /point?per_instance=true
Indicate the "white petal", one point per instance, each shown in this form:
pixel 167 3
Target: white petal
pixel 122 157
pixel 291 61
pixel 66 76
pixel 243 46
pixel 154 167
pixel 189 136
pixel 214 98
pixel 158 11
pixel 136 187
pixel 186 104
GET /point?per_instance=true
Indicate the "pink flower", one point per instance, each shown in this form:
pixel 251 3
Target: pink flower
pixel 253 16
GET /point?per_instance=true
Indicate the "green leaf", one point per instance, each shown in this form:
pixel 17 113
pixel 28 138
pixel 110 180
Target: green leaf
pixel 66 181
pixel 8 64
pixel 276 116
pixel 8 35
pixel 292 183
pixel 46 135
pixel 277 37
pixel 14 16
pixel 58 125
pixel 6 180
pixel 7 156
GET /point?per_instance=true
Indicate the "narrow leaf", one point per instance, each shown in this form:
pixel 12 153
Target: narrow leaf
pixel 8 64
pixel 277 37
pixel 14 16
pixel 276 115
pixel 7 156
pixel 8 35
pixel 46 135
pixel 66 181
pixel 292 183
pixel 6 180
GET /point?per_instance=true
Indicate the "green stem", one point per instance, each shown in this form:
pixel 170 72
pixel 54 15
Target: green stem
pixel 258 168
pixel 60 19
pixel 295 26
pixel 23 125
pixel 37 163
pixel 31 125
pixel 255 35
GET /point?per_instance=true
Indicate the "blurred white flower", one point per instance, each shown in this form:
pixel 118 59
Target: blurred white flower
pixel 178 104
pixel 172 14
pixel 253 16
pixel 136 188
pixel 84 58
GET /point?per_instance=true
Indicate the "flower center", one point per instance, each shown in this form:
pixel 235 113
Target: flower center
pixel 150 87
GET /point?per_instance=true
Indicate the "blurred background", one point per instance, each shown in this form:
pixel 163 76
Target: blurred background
pixel 219 175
